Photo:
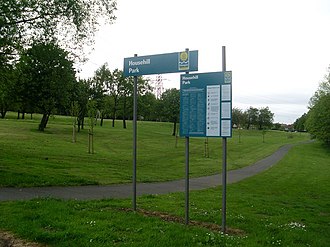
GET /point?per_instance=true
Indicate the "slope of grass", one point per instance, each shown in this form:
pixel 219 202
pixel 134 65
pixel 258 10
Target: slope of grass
pixel 32 158
pixel 287 205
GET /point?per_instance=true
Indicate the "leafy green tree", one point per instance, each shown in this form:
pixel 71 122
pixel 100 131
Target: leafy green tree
pixel 265 118
pixel 318 120
pixel 118 78
pixel 81 95
pixel 237 117
pixel 277 126
pixel 101 89
pixel 72 22
pixel 252 115
pixel 323 89
pixel 7 92
pixel 170 101
pixel 147 107
pixel 48 76
pixel 125 89
pixel 300 123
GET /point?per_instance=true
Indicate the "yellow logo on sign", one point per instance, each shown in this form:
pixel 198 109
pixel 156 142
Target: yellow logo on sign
pixel 183 56
pixel 183 60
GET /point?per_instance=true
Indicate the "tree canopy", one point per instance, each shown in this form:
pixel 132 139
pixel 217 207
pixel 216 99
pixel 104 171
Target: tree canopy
pixel 47 78
pixel 71 22
pixel 318 120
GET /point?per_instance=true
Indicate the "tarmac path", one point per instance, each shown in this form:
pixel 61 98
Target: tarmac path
pixel 125 190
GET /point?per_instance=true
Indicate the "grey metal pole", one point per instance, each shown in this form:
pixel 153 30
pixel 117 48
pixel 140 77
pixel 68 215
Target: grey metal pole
pixel 224 160
pixel 134 139
pixel 187 175
pixel 187 181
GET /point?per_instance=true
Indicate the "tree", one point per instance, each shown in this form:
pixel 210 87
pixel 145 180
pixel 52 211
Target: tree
pixel 125 89
pixel 318 119
pixel 118 79
pixel 265 118
pixel 300 123
pixel 73 22
pixel 48 76
pixel 147 107
pixel 171 106
pixel 318 122
pixel 251 116
pixel 81 95
pixel 101 87
pixel 7 84
pixel 237 117
pixel 277 126
pixel 323 89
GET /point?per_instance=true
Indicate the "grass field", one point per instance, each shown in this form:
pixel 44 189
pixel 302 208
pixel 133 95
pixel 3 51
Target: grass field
pixel 287 205
pixel 32 158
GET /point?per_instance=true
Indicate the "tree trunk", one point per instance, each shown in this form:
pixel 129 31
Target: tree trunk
pixel 102 117
pixel 43 122
pixel 23 115
pixel 124 114
pixel 114 117
pixel 174 128
pixel 3 113
pixel 80 120
pixel 18 114
pixel 114 111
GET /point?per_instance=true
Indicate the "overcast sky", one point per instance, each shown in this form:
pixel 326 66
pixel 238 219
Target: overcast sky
pixel 277 50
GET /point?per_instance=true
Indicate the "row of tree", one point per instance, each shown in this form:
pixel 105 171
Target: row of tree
pixel 43 81
pixel 317 120
pixel 261 118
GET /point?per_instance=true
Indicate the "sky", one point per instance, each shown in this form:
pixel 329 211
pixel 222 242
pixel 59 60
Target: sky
pixel 278 50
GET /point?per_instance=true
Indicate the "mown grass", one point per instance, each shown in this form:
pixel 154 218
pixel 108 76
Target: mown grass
pixel 287 205
pixel 32 158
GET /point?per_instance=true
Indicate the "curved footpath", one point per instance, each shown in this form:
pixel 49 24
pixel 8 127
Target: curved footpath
pixel 125 190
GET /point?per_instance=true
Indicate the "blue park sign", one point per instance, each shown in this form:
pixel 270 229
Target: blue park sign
pixel 162 63
pixel 206 104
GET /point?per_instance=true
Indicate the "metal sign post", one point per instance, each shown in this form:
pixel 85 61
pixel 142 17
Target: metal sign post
pixel 224 159
pixel 187 174
pixel 134 138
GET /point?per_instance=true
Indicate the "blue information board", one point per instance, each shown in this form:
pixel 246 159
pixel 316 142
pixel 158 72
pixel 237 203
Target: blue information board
pixel 206 104
pixel 161 63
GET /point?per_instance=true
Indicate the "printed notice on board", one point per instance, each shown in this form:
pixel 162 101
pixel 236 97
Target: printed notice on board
pixel 225 110
pixel 213 110
pixel 225 128
pixel 225 92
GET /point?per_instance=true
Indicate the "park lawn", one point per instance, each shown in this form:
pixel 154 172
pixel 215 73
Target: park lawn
pixel 32 158
pixel 287 205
